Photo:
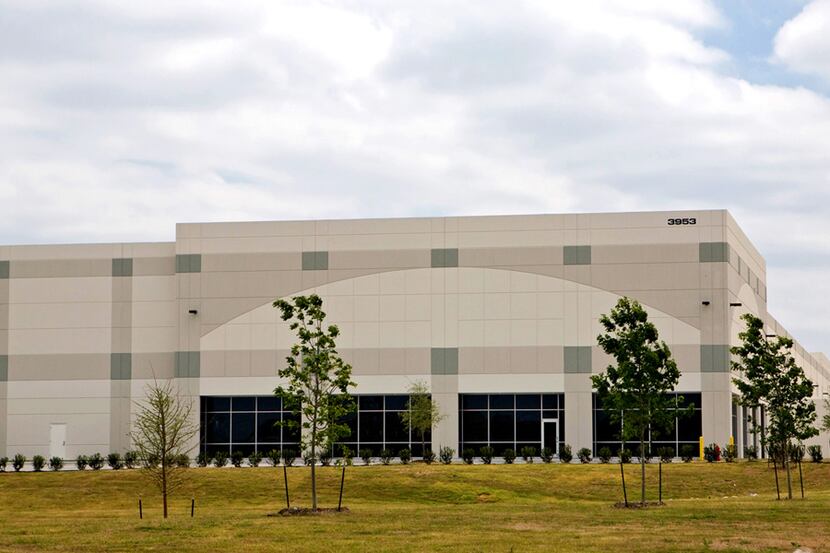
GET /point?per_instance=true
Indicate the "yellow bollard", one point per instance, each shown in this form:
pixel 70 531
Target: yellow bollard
pixel 701 448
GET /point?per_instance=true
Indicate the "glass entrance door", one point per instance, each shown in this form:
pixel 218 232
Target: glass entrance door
pixel 550 434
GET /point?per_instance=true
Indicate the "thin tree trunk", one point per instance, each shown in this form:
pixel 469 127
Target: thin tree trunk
pixel 642 471
pixel 660 484
pixel 801 479
pixel 777 485
pixel 789 476
pixel 423 445
pixel 164 487
pixel 622 473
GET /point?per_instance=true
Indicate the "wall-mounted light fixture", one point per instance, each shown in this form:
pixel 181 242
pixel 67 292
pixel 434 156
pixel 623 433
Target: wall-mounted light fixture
pixel 193 311
pixel 735 304
pixel 705 302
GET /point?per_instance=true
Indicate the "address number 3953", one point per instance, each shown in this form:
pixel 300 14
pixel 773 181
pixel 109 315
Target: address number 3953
pixel 684 221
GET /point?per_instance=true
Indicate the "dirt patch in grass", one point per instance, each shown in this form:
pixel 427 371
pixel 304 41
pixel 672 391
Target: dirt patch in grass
pixel 638 505
pixel 307 511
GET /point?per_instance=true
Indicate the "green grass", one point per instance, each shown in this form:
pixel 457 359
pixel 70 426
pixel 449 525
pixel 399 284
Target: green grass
pixel 723 507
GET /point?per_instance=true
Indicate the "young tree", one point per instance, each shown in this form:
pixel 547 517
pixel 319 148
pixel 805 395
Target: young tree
pixel 769 376
pixel 636 390
pixel 422 414
pixel 318 379
pixel 162 431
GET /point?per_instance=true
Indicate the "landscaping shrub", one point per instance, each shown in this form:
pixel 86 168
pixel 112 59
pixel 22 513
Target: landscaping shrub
pixel 604 454
pixel 687 453
pixel 81 462
pixel 815 453
pixel 366 456
pixel 38 462
pixel 386 456
pixel 405 455
pixel 203 459
pixel 114 461
pixel 486 453
pixel 528 453
pixel 712 453
pixel 182 460
pixel 666 454
pixel 325 457
pixel 3 462
pixel 56 463
pixel 509 456
pixel 566 454
pixel 625 455
pixel 18 461
pixel 429 456
pixel 584 455
pixel 445 454
pixel 220 459
pixel 288 457
pixel 730 453
pixel 273 457
pixel 347 456
pixel 546 455
pixel 797 453
pixel 236 458
pixel 254 459
pixel 96 461
pixel 468 456
pixel 307 459
pixel 131 459
pixel 751 452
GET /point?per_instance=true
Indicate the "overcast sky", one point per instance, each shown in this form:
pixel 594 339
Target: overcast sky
pixel 119 119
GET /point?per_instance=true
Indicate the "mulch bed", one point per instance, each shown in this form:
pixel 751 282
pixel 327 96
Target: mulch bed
pixel 638 505
pixel 307 511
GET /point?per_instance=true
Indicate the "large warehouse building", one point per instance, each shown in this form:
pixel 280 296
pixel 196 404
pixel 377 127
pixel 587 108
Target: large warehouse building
pixel 498 315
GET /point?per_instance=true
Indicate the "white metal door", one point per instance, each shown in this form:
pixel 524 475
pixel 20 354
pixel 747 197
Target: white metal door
pixel 550 434
pixel 57 440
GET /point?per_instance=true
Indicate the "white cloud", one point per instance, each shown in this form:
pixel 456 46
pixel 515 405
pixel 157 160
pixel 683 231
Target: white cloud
pixel 803 43
pixel 118 120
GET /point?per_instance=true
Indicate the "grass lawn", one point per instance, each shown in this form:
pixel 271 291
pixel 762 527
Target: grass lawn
pixel 722 507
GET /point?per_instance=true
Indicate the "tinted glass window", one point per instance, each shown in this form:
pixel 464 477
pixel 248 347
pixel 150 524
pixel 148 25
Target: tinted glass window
pixel 217 404
pixel 528 401
pixel 396 431
pixel 269 403
pixel 475 426
pixel 218 428
pixel 267 429
pixel 501 401
pixel 242 427
pixel 243 404
pixel 528 426
pixel 501 426
pixel 371 427
pixel 474 401
pixel 550 401
pixel 371 403
pixel 396 403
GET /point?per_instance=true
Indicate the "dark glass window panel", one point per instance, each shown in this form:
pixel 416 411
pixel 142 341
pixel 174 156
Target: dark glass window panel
pixel 664 433
pixel 264 449
pixel 561 427
pixel 474 401
pixel 291 435
pixel 242 429
pixel 340 448
pixel 549 435
pixel 550 414
pixel 474 426
pixel 550 401
pixel 213 449
pixel 528 401
pixel 349 420
pixel 535 445
pixel 371 427
pixel 501 426
pixel 218 428
pixel 690 428
pixel 269 403
pixel 605 430
pixel 217 403
pixel 396 403
pixel 528 426
pixel 243 404
pixel 245 449
pixel 371 403
pixel 416 448
pixel 396 447
pixel 501 401
pixel 396 431
pixel 499 448
pixel 267 429
pixel 689 399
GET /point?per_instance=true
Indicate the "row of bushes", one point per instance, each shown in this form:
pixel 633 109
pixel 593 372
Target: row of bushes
pixel 95 461
pixel 713 453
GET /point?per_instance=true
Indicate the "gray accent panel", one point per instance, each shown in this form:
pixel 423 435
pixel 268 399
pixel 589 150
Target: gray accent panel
pixel 122 267
pixel 189 263
pixel 121 366
pixel 576 255
pixel 315 261
pixel 444 257
pixel 714 358
pixel 444 361
pixel 4 269
pixel 577 359
pixel 714 252
pixel 187 364
pixel 4 369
